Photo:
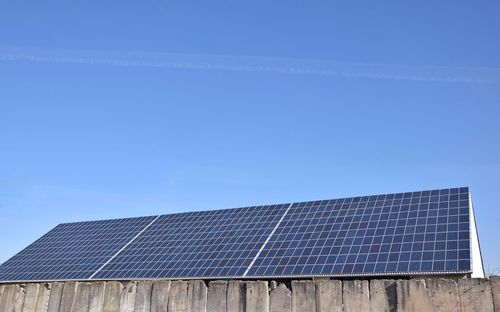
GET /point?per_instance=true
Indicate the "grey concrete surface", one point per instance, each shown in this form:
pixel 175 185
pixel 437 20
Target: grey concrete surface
pixel 257 296
pixel 356 295
pixel 280 299
pixel 429 294
pixel 217 296
pixel 303 296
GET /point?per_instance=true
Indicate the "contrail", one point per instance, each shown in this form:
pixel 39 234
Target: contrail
pixel 478 75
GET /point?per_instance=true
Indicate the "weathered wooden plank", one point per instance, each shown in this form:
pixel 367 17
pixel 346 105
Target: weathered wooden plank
pixel 475 295
pixel 30 297
pixel 329 296
pixel 68 296
pixel 217 296
pixel 356 296
pixel 280 299
pixel 56 289
pixel 97 290
pixel 143 296
pixel 197 296
pixel 127 299
pixel 81 302
pixel 159 297
pixel 177 297
pixel 236 301
pixel 303 296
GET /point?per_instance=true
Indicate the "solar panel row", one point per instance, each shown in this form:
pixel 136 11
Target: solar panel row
pixel 72 250
pixel 405 233
pixel 205 244
pixel 396 233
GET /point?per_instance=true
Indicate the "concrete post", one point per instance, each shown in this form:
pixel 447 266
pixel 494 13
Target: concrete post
pixel 303 296
pixel 443 294
pixel 81 302
pixel 413 295
pixel 143 296
pixel 8 297
pixel 217 300
pixel 19 299
pixel 97 290
pixel 127 297
pixel 356 296
pixel 495 289
pixel 112 294
pixel 177 298
pixel 257 296
pixel 68 296
pixel 280 299
pixel 475 295
pixel 42 300
pixel 329 296
pixel 236 292
pixel 55 297
pixel 197 296
pixel 383 296
pixel 30 297
pixel 159 296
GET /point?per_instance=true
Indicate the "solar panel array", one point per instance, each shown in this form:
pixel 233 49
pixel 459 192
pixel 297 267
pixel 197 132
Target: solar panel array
pixel 72 250
pixel 203 244
pixel 395 233
pixel 423 232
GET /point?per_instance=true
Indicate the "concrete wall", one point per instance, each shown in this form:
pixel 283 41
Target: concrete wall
pixel 252 296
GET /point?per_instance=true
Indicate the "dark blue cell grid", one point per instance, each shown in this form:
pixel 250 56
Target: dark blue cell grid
pixel 393 234
pixel 401 233
pixel 72 250
pixel 207 244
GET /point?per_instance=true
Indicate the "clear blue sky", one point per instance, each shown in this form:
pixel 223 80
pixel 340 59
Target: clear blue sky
pixel 86 141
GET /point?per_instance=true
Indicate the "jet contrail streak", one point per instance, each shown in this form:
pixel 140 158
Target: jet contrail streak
pixel 478 75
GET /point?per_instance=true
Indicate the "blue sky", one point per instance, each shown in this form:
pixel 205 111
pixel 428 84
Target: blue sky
pixel 83 141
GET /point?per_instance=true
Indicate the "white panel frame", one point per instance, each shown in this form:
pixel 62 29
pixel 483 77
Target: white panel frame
pixel 476 256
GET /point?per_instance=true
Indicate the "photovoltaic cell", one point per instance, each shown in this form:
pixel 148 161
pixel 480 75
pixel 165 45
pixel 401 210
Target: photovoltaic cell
pixel 427 232
pixel 394 233
pixel 72 250
pixel 208 244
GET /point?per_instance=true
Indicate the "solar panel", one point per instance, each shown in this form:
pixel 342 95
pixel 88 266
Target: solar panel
pixel 208 244
pixel 427 232
pixel 72 250
pixel 385 234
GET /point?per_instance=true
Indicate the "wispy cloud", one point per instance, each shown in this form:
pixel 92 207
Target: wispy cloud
pixel 478 75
